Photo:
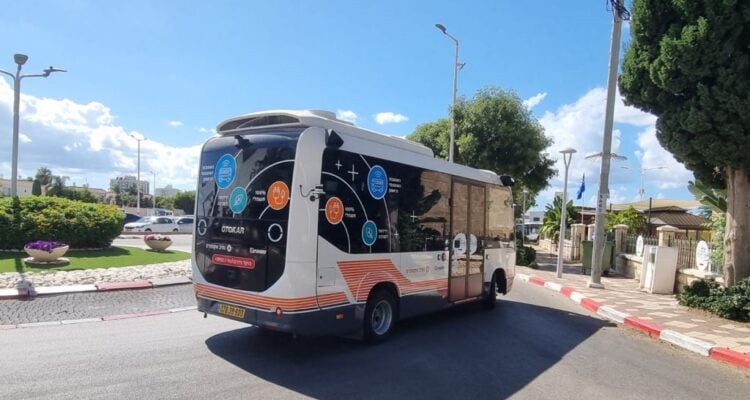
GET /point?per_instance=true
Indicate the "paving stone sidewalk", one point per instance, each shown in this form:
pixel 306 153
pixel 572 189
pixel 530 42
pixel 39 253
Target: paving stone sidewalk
pixel 624 295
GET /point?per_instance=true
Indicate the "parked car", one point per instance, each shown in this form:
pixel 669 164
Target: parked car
pixel 186 223
pixel 153 224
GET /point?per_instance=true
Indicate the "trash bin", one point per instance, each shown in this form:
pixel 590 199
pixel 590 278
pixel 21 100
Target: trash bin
pixel 588 248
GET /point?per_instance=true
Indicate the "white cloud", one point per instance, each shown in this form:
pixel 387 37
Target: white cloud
pixel 533 101
pixel 175 123
pixel 95 149
pixel 346 115
pixel 23 138
pixel 660 167
pixel 390 118
pixel 206 130
pixel 580 125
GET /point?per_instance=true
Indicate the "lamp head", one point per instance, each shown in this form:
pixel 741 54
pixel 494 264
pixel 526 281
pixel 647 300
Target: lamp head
pixel 568 150
pixel 20 59
pixel 52 69
pixel 442 28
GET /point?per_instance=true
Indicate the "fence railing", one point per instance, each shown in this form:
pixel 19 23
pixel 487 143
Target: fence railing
pixel 685 250
pixel 631 240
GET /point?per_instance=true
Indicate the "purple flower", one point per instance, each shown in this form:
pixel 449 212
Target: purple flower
pixel 160 238
pixel 44 245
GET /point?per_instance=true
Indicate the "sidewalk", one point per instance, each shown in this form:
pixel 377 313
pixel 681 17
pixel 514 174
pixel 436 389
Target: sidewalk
pixel 656 313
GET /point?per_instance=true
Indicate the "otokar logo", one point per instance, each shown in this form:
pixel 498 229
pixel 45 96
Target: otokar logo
pixel 234 230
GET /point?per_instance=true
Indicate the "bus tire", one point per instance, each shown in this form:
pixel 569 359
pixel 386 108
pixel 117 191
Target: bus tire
pixel 490 298
pixel 380 316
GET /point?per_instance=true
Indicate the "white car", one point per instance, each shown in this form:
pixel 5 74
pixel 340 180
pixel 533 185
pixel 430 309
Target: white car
pixel 186 223
pixel 153 224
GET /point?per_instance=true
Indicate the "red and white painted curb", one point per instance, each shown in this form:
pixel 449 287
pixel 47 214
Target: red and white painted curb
pixel 656 331
pixel 13 294
pixel 99 319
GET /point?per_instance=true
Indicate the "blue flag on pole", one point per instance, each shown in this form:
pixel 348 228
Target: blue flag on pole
pixel 582 188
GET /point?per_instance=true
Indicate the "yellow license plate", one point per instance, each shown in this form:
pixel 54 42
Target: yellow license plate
pixel 232 311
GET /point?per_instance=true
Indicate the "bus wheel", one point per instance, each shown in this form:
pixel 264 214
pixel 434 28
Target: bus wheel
pixel 490 298
pixel 380 315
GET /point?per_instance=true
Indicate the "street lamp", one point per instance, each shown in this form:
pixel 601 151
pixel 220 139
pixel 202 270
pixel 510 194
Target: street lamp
pixel 523 219
pixel 456 67
pixel 20 60
pixel 139 139
pixel 567 156
pixel 642 191
pixel 153 198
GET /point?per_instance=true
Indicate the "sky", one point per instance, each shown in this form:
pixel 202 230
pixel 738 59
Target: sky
pixel 170 71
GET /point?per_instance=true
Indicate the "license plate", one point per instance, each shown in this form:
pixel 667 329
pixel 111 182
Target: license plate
pixel 232 311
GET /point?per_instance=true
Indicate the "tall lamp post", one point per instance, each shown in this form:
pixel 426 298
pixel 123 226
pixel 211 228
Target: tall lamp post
pixel 620 14
pixel 456 67
pixel 139 139
pixel 523 219
pixel 567 156
pixel 642 191
pixel 20 60
pixel 153 198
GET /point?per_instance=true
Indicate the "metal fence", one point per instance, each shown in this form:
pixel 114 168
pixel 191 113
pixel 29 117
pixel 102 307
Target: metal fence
pixel 631 240
pixel 685 250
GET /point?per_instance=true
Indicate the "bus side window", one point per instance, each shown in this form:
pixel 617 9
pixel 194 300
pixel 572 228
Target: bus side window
pixel 500 216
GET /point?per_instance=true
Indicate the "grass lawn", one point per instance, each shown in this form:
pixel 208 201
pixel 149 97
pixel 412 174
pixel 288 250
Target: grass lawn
pixel 113 257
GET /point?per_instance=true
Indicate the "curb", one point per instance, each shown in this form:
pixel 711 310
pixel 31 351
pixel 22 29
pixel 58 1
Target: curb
pixel 649 328
pixel 98 319
pixel 16 294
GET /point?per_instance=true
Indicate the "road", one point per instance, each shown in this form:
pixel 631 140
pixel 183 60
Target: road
pixel 179 242
pixel 535 345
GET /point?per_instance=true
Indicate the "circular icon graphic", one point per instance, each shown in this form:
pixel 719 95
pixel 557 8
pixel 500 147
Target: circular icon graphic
pixel 202 227
pixel 225 170
pixel 334 210
pixel 275 232
pixel 277 195
pixel 459 244
pixel 377 182
pixel 229 248
pixel 369 233
pixel 238 200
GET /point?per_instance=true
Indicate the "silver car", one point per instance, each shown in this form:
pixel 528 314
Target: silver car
pixel 186 223
pixel 153 224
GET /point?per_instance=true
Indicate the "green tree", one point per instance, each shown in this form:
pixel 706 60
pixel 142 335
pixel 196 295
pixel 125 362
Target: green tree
pixel 494 131
pixel 44 176
pixel 185 201
pixel 36 188
pixel 553 216
pixel 165 202
pixel 631 217
pixel 56 187
pixel 716 199
pixel 688 63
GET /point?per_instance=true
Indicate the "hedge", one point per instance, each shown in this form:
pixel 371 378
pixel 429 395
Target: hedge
pixel 731 303
pixel 80 225
pixel 525 255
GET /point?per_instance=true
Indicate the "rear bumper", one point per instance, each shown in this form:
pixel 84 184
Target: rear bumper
pixel 338 320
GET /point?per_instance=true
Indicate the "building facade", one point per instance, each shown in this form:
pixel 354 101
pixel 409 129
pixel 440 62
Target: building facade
pixel 167 191
pixel 128 182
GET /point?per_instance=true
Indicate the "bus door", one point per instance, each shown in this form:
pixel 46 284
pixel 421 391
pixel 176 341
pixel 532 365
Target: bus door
pixel 467 230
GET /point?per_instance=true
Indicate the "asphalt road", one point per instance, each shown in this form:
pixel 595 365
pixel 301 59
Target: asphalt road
pixel 179 242
pixel 535 345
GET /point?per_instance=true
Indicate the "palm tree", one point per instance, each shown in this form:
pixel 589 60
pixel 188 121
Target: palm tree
pixel 714 198
pixel 44 176
pixel 553 215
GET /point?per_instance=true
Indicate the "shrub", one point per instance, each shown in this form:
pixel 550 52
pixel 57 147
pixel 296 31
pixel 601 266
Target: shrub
pixel 731 303
pixel 525 255
pixel 80 225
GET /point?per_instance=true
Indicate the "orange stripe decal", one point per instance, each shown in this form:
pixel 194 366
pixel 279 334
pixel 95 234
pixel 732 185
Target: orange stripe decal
pixel 362 275
pixel 268 302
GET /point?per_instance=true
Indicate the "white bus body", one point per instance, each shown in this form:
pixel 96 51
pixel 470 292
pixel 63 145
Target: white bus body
pixel 310 225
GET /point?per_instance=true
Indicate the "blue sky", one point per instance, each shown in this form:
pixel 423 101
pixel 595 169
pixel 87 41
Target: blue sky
pixel 171 70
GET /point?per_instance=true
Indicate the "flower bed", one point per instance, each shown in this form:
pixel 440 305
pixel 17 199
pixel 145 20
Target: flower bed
pixel 45 251
pixel 157 242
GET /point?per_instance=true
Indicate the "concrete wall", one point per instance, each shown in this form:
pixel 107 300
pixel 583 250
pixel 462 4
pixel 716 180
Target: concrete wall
pixel 629 265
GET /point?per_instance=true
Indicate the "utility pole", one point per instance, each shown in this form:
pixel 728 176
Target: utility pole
pixel 620 13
